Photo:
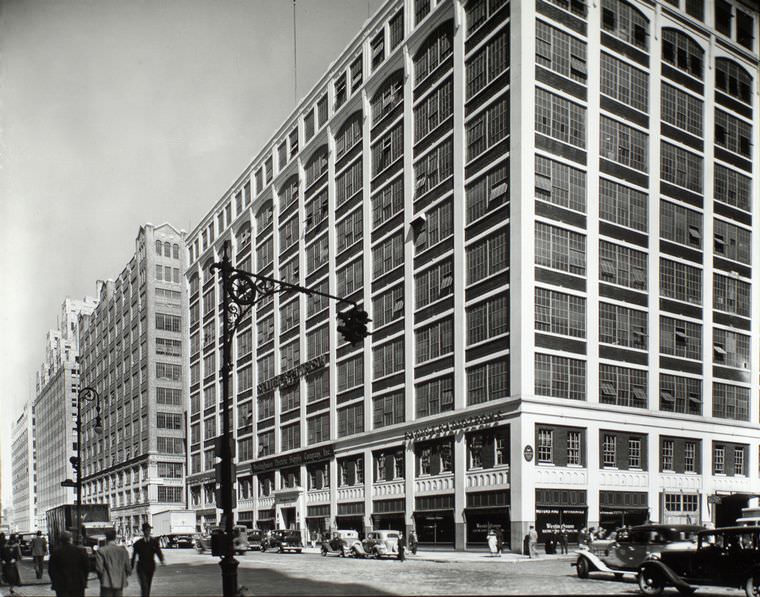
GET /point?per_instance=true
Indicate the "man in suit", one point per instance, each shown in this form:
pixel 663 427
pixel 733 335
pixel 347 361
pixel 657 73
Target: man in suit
pixel 146 549
pixel 112 566
pixel 39 551
pixel 68 568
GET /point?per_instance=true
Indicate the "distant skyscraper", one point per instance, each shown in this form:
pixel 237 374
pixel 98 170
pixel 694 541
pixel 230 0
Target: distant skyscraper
pixel 23 499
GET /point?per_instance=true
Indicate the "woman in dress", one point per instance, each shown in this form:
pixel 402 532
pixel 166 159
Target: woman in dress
pixel 492 542
pixel 10 553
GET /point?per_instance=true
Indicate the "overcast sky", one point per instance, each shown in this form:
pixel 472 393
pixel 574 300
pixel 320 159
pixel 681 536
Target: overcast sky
pixel 118 113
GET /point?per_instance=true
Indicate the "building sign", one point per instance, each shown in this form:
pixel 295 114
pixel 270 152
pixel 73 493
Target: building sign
pixel 295 459
pixel 528 453
pixel 291 376
pixel 463 424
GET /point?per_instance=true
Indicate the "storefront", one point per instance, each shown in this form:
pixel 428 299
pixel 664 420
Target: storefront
pixel 389 515
pixel 351 517
pixel 318 519
pixel 434 519
pixel 622 508
pixel 265 521
pixel 486 511
pixel 557 508
pixel 245 518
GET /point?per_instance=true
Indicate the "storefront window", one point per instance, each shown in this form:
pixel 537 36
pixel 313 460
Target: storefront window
pixel 447 463
pixel 501 451
pixel 476 449
pixel 425 461
pixel 398 465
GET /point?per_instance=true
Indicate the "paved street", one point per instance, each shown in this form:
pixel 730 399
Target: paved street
pixel 189 573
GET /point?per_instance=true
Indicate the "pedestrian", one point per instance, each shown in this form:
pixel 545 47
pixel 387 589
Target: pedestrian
pixel 39 551
pixel 68 568
pixel 499 541
pixel 112 566
pixel 583 538
pixel 532 541
pixel 563 539
pixel 492 542
pixel 401 547
pixel 10 554
pixel 413 541
pixel 146 549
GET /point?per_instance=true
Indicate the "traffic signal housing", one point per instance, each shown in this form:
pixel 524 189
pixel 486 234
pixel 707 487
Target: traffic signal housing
pixel 353 326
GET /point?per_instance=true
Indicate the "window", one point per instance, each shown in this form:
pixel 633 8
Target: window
pixel 166 346
pixel 308 125
pixel 317 303
pixel 719 460
pixel 732 242
pixel 170 445
pixel 559 52
pixel 350 373
pixel 318 342
pixel 439 225
pixel 731 295
pixel 318 429
pixel 245 379
pixel 265 368
pixel 388 307
pixel 623 266
pixel 556 313
pixel 487 128
pixel 168 420
pixel 732 79
pixel 491 61
pixel 622 326
pixel 349 278
pixel 544 446
pixel 396 27
pixel 317 253
pixel 625 83
pixel 623 386
pixel 388 202
pixel 316 210
pixel 433 283
pixel 559 118
pixel 433 397
pixel 266 447
pixel 388 358
pixel 681 109
pixel 388 149
pixel 289 271
pixel 731 188
pixel 351 420
pixel 264 217
pixel 168 323
pixel 690 457
pixel 433 110
pixel 289 233
pixel 479 11
pixel 730 349
pixel 288 193
pixel 623 205
pixel 290 437
pixel 739 462
pixel 421 10
pixel 387 255
pixel 487 256
pixel 282 160
pixel 316 166
pixel 289 315
pixel 169 371
pixel 682 52
pixel 266 406
pixel 290 355
pixel 435 49
pixel 264 254
pixel 435 167
pixel 574 448
pixel 680 224
pixel 560 249
pixel 680 394
pixel 623 144
pixel 723 17
pixel 348 182
pixel 487 193
pixel 634 453
pixel 730 402
pixel 745 28
pixel 264 330
pixel 171 396
pixel 560 377
pixel 680 338
pixel 733 133
pixel 355 71
pixel 609 449
pixel 349 230
pixel 490 318
pixel 666 455
pixel 434 341
pixel 321 115
pixel 318 386
pixel 388 410
pixel 488 381
pixel 559 184
pixel 290 398
pixel 349 135
pixel 625 22
pixel 170 470
pixel 680 281
pixel 170 494
pixel 377 49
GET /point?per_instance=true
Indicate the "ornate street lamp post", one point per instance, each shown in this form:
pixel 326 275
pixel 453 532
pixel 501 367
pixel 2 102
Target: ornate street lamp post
pixel 87 394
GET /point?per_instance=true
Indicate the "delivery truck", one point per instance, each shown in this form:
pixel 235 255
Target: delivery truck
pixel 96 520
pixel 174 528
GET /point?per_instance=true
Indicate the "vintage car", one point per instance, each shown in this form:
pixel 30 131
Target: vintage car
pixel 631 546
pixel 283 540
pixel 377 544
pixel 204 542
pixel 254 539
pixel 341 542
pixel 727 557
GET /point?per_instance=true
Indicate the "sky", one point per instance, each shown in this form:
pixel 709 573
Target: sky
pixel 114 114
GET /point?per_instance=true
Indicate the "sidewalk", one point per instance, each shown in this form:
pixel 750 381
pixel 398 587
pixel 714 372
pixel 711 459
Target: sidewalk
pixel 443 555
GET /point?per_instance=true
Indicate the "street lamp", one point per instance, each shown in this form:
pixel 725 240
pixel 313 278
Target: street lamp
pixel 85 394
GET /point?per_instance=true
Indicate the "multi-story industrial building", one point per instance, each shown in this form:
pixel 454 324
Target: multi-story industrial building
pixel 546 207
pixel 23 498
pixel 133 355
pixel 54 411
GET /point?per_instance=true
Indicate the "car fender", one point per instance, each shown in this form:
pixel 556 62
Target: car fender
pixel 594 562
pixel 670 577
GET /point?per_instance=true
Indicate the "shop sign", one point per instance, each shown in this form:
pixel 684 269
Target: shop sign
pixel 291 376
pixel 528 453
pixel 296 459
pixel 463 424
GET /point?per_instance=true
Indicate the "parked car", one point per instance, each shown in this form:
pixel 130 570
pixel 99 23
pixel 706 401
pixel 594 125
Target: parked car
pixel 25 543
pixel 254 538
pixel 202 542
pixel 623 555
pixel 240 539
pixel 727 557
pixel 341 542
pixel 282 541
pixel 378 544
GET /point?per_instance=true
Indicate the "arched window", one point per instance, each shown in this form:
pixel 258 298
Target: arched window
pixel 158 247
pixel 288 192
pixel 682 52
pixel 175 251
pixel 434 50
pixel 207 273
pixel 732 79
pixel 244 236
pixel 194 283
pixel 625 22
pixel 264 216
pixel 317 165
pixel 167 249
pixel 349 134
pixel 390 95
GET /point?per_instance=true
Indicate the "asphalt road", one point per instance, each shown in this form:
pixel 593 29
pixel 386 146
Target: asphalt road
pixel 188 573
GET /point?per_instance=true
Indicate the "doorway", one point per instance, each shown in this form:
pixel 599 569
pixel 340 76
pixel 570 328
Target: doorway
pixel 289 518
pixel 730 509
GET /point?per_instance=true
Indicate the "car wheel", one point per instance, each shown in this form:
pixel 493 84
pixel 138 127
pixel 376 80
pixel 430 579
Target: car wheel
pixel 752 586
pixel 324 552
pixel 650 582
pixel 582 567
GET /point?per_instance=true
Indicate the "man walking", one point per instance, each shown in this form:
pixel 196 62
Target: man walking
pixel 532 541
pixel 146 548
pixel 68 568
pixel 39 551
pixel 112 566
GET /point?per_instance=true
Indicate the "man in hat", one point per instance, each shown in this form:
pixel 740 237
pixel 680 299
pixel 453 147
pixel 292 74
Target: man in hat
pixel 68 568
pixel 145 549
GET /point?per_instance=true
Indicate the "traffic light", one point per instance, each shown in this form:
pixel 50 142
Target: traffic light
pixel 354 325
pixel 220 495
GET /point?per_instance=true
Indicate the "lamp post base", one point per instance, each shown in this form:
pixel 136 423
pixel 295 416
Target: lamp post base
pixel 229 576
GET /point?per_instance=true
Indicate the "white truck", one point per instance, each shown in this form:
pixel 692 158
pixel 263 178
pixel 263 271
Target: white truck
pixel 174 528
